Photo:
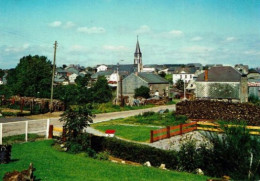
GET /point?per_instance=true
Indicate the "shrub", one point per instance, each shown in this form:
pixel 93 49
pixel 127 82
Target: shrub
pixel 142 92
pixel 148 113
pixel 102 155
pixel 188 157
pixel 134 152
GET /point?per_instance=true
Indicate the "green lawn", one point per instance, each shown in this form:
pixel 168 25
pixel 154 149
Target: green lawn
pixel 135 133
pixel 53 165
pixel 137 128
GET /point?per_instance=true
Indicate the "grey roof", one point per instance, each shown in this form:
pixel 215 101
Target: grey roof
pixel 101 73
pixel 152 78
pixel 137 50
pixel 221 74
pixel 187 70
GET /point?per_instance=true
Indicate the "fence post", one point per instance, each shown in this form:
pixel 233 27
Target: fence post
pixel 151 138
pixel 26 131
pixel 50 131
pixel 180 129
pixel 168 132
pixel 1 133
pixel 47 128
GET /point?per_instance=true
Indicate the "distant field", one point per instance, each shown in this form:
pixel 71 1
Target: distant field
pixel 51 164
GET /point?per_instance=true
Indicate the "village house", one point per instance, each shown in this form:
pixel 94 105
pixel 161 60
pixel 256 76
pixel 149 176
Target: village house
pixel 222 83
pixel 185 74
pixel 153 81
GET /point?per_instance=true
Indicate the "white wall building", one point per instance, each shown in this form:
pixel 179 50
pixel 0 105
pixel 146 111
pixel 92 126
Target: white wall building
pixel 72 78
pixel 101 68
pixel 184 74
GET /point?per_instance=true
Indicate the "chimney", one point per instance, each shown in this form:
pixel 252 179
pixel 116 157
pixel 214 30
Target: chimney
pixel 206 75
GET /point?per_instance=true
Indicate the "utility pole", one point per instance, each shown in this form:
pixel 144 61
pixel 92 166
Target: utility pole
pixel 53 72
pixel 184 90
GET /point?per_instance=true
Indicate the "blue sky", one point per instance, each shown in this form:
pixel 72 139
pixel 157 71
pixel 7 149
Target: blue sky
pixel 104 31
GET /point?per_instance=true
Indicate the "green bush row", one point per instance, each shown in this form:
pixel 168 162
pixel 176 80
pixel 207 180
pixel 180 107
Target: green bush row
pixel 135 152
pixel 14 114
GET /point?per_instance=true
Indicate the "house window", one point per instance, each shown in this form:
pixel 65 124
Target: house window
pixel 190 76
pixel 185 76
pixel 181 76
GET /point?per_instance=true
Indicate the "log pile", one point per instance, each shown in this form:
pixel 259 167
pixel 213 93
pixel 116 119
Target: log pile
pixel 25 175
pixel 218 110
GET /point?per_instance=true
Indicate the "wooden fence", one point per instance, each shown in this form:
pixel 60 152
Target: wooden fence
pixel 170 131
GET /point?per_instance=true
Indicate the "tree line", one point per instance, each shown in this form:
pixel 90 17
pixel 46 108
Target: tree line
pixel 32 78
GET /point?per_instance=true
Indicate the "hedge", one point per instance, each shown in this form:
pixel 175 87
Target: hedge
pixel 135 152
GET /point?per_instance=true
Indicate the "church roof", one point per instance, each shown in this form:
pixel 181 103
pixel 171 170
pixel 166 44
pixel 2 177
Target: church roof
pixel 137 50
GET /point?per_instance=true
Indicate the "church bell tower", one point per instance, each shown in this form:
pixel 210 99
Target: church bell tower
pixel 138 57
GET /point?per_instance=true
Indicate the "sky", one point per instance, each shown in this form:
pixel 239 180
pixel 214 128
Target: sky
pixel 91 32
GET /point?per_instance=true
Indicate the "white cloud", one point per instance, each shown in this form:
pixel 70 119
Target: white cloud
pixel 196 38
pixel 197 49
pixel 91 30
pixel 230 39
pixel 115 48
pixel 252 52
pixel 69 24
pixel 143 29
pixel 176 33
pixel 13 49
pixel 78 49
pixel 55 24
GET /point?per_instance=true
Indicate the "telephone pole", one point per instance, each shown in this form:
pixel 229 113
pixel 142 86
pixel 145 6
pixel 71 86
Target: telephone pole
pixel 53 72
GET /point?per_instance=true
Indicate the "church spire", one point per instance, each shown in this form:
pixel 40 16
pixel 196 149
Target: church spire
pixel 138 56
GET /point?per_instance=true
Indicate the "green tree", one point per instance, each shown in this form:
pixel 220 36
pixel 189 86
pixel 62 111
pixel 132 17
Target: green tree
pixel 75 120
pixel 162 74
pixel 2 73
pixel 82 81
pixel 101 91
pixel 31 77
pixel 142 92
pixel 180 84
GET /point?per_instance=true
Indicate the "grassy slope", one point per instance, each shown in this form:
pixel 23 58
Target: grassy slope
pixel 51 164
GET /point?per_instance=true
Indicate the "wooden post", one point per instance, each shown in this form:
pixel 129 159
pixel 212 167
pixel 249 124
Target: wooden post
pixel 63 134
pixel 180 129
pixel 50 131
pixel 151 138
pixel 47 128
pixel 1 133
pixel 168 132
pixel 26 131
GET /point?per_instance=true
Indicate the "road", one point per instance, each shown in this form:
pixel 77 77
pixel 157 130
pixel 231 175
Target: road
pixel 39 126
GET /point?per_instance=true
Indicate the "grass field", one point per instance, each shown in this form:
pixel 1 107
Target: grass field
pixel 53 165
pixel 130 132
pixel 137 128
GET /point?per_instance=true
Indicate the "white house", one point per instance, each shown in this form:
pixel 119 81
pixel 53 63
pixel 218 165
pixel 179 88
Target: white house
pixel 113 79
pixel 184 74
pixel 1 82
pixel 72 78
pixel 101 68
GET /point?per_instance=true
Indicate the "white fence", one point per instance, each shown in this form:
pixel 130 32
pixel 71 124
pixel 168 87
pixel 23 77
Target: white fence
pixel 24 127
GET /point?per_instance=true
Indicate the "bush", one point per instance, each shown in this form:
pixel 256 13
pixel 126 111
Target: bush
pixel 134 152
pixel 188 157
pixel 102 155
pixel 148 113
pixel 142 92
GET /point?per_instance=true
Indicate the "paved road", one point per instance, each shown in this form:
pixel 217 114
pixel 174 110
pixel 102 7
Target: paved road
pixel 14 128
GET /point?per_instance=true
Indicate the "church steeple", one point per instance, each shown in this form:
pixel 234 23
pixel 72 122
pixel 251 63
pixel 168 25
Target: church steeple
pixel 138 56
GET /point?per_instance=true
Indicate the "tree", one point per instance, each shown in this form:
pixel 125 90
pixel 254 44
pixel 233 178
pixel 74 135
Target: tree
pixel 2 73
pixel 31 77
pixel 82 81
pixel 180 84
pixel 101 91
pixel 75 120
pixel 142 92
pixel 162 74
